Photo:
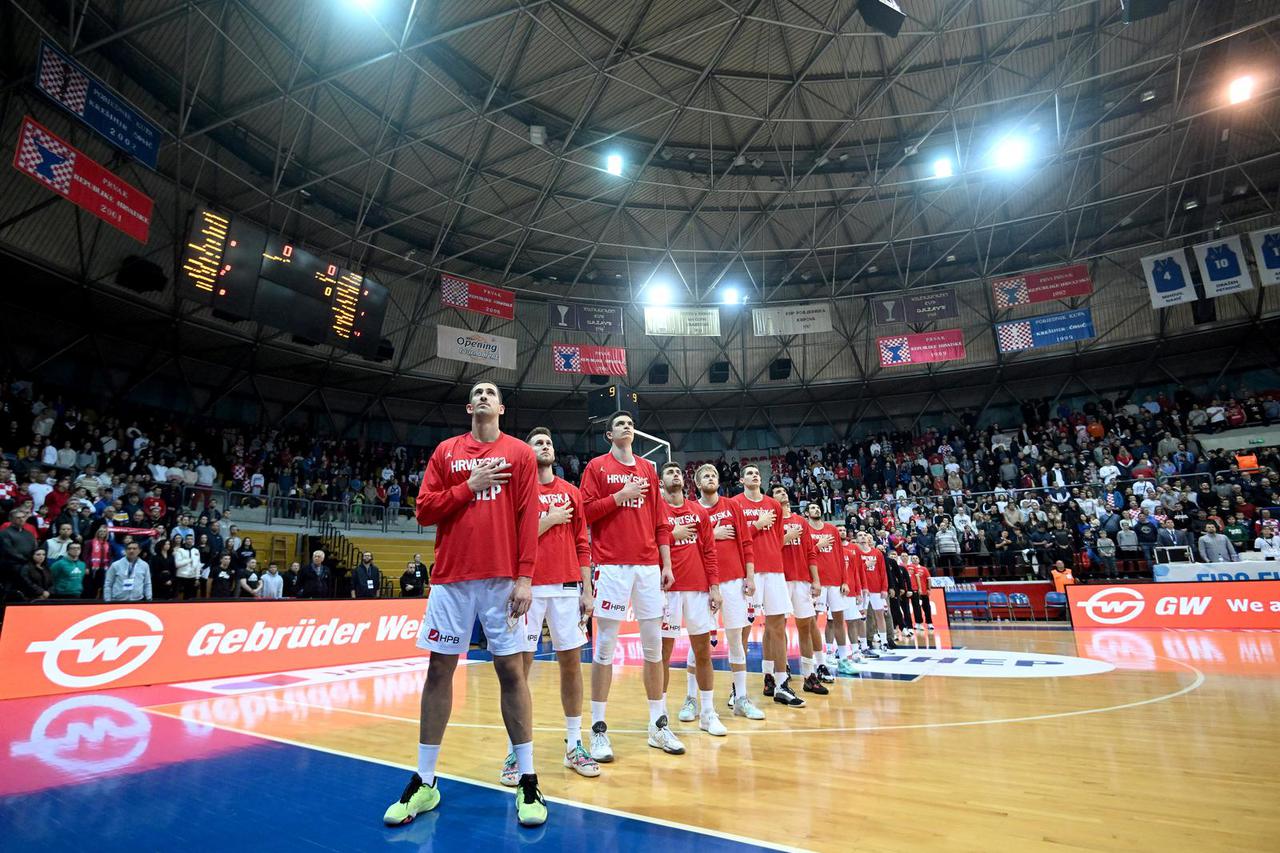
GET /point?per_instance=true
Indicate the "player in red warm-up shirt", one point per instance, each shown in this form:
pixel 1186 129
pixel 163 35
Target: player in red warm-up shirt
pixel 800 568
pixel 855 586
pixel 735 556
pixel 629 538
pixel 877 579
pixel 693 598
pixel 829 548
pixel 561 598
pixel 772 596
pixel 921 606
pixel 480 490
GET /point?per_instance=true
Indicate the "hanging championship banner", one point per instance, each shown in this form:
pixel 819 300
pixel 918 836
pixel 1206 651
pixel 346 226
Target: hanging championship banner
pixel 70 173
pixel 583 317
pixel 1266 250
pixel 926 347
pixel 1043 286
pixel 584 358
pixel 474 296
pixel 915 307
pixel 475 347
pixel 1222 267
pixel 791 320
pixel 1046 331
pixel 1168 279
pixel 682 322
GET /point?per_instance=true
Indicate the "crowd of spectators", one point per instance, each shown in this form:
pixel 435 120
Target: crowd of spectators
pixel 87 493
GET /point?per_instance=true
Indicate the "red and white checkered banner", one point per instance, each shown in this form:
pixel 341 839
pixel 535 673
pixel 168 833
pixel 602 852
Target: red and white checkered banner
pixel 926 347
pixel 1043 286
pixel 70 173
pixel 474 296
pixel 584 358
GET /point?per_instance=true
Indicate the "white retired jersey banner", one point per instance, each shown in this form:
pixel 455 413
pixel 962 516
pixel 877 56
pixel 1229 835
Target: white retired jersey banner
pixel 1266 250
pixel 682 322
pixel 791 320
pixel 476 347
pixel 1168 279
pixel 1222 267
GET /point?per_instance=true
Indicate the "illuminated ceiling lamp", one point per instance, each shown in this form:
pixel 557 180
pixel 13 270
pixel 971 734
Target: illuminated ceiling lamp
pixel 883 15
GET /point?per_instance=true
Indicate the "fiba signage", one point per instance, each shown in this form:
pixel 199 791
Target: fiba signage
pixel 1207 605
pixel 61 648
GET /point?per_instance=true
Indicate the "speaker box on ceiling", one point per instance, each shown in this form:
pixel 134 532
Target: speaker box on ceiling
pixel 1136 10
pixel 659 373
pixel 780 369
pixel 140 275
pixel 718 373
pixel 883 15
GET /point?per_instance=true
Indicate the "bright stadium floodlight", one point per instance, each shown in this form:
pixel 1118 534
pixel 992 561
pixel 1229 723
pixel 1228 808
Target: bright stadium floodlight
pixel 1011 152
pixel 1241 89
pixel 613 164
pixel 943 167
pixel 364 5
pixel 731 296
pixel 659 294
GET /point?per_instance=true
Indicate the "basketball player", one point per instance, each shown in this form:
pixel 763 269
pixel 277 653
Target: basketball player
pixel 877 580
pixel 694 596
pixel 561 597
pixel 921 606
pixel 735 558
pixel 800 567
pixel 855 589
pixel 829 549
pixel 629 538
pixel 480 490
pixel 772 595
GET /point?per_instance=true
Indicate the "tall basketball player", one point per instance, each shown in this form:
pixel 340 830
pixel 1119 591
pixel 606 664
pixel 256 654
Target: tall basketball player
pixel 800 567
pixel 694 596
pixel 562 599
pixel 829 549
pixel 855 609
pixel 873 564
pixel 735 556
pixel 772 596
pixel 630 537
pixel 480 490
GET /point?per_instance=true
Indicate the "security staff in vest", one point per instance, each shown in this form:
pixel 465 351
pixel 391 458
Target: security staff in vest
pixel 366 580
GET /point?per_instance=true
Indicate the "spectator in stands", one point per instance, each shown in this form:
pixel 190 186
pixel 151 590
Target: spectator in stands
pixel 366 580
pixel 57 546
pixel 69 573
pixel 38 580
pixel 242 554
pixel 1105 552
pixel 291 580
pixel 412 582
pixel 164 570
pixel 1170 536
pixel 222 579
pixel 272 583
pixel 1268 543
pixel 187 567
pixel 248 582
pixel 129 578
pixel 947 544
pixel 314 578
pixel 1216 548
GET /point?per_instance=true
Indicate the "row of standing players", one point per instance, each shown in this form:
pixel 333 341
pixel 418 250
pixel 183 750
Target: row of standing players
pixel 513 551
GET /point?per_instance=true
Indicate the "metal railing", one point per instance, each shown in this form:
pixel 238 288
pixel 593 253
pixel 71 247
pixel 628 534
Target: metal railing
pixel 302 513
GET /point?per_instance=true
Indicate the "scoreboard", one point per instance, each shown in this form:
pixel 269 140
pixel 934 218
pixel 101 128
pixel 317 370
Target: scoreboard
pixel 603 402
pixel 236 268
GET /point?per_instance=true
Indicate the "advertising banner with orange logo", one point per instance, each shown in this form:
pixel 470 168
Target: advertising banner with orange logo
pixel 1206 605
pixel 47 649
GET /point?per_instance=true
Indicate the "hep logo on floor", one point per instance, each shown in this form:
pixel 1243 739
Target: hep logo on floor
pixel 107 649
pixel 435 636
pixel 616 607
pixel 1113 605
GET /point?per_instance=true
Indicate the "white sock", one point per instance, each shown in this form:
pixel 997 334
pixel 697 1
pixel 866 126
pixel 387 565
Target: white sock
pixel 524 757
pixel 573 732
pixel 806 667
pixel 846 651
pixel 427 756
pixel 819 658
pixel 766 667
pixel 664 703
pixel 510 748
pixel 657 708
pixel 690 682
pixel 831 649
pixel 707 704
pixel 597 712
pixel 740 682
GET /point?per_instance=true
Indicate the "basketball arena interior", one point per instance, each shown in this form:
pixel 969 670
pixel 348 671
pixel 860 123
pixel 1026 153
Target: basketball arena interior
pixel 822 425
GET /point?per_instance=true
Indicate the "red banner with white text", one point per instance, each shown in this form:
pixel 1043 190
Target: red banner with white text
pixel 1203 604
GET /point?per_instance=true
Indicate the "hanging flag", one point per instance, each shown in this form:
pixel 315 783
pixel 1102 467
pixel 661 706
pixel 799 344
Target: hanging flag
pixel 791 320
pixel 584 358
pixel 926 347
pixel 1046 331
pixel 1223 270
pixel 475 296
pixel 1168 279
pixel 1043 286
pixel 916 308
pixel 1266 250
pixel 682 322
pixel 584 317
pixel 73 175
pixel 475 347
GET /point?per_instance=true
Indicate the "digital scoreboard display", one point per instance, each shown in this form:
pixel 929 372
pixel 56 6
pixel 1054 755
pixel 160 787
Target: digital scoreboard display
pixel 238 269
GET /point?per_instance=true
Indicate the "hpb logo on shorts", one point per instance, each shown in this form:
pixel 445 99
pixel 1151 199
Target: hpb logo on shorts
pixel 618 607
pixel 436 636
pixel 107 649
pixel 1114 605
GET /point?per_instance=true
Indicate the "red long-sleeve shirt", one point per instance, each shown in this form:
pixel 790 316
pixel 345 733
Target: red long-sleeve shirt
pixel 732 554
pixel 562 550
pixel 831 558
pixel 854 574
pixel 693 561
pixel 627 535
pixel 920 579
pixel 767 543
pixel 797 556
pixel 873 567
pixel 489 534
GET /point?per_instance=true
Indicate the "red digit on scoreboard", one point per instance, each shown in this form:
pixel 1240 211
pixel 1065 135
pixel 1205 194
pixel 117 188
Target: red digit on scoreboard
pixel 288 251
